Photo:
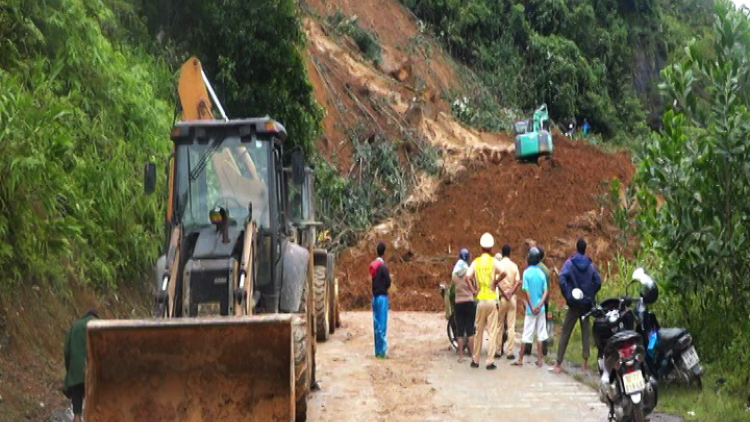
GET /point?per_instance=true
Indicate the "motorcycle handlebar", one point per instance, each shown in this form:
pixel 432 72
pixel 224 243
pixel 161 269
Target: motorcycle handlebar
pixel 599 311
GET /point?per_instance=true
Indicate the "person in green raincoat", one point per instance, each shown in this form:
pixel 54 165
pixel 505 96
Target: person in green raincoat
pixel 75 362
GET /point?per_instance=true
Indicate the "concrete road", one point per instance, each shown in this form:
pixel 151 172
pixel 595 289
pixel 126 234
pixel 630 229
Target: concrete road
pixel 422 380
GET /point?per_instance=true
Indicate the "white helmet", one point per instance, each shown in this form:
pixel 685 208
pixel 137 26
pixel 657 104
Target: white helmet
pixel 487 241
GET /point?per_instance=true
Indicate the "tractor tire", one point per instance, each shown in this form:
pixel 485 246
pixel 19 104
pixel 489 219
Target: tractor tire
pixel 303 361
pixel 322 308
pixel 332 297
pixel 331 307
pixel 301 370
pixel 336 309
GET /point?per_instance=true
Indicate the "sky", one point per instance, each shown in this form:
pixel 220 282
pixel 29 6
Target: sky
pixel 742 2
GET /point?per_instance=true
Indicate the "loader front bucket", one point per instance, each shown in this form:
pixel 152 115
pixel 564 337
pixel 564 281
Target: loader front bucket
pixel 191 369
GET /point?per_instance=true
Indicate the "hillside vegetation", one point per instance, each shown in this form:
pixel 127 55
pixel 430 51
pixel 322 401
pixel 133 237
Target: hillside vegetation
pixel 584 58
pixel 699 164
pixel 83 106
pixel 87 96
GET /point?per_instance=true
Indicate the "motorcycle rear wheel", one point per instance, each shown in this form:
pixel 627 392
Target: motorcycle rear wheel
pixel 697 382
pixel 637 412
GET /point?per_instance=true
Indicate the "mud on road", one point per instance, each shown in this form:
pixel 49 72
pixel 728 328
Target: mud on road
pixel 422 380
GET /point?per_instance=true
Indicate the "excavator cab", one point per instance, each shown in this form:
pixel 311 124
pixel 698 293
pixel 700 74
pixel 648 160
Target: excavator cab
pixel 534 139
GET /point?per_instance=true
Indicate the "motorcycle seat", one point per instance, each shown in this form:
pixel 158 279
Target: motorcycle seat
pixel 669 336
pixel 620 339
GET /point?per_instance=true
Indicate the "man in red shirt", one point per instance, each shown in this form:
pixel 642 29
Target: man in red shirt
pixel 381 282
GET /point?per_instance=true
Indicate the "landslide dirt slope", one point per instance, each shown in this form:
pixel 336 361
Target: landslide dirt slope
pixel 481 188
pixel 551 203
pixel 401 97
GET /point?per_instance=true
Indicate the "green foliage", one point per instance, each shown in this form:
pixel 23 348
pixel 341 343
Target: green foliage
pixel 252 52
pixel 618 200
pixel 366 40
pixel 80 113
pixel 483 112
pixel 427 156
pixel 377 184
pixel 580 57
pixel 700 165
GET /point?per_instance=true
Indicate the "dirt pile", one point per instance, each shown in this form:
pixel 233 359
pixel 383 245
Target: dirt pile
pixel 402 97
pixel 551 203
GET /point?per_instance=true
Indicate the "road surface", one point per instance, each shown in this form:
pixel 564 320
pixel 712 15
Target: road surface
pixel 422 380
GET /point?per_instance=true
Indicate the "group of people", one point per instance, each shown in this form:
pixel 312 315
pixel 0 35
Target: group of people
pixel 487 298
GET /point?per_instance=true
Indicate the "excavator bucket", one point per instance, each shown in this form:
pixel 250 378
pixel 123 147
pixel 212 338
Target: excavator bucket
pixel 191 369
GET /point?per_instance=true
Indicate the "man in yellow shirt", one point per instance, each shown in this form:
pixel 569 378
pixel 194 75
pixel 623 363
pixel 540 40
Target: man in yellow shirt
pixel 487 274
pixel 506 315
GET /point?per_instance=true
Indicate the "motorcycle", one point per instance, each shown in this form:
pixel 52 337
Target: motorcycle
pixel 625 383
pixel 670 353
pixel 620 334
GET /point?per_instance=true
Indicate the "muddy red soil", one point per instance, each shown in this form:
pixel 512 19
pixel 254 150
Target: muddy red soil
pixel 551 203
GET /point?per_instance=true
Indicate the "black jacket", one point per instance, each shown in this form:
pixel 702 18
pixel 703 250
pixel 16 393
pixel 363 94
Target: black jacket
pixel 381 278
pixel 580 272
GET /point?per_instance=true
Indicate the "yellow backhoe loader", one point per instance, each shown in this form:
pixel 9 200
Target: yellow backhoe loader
pixel 237 291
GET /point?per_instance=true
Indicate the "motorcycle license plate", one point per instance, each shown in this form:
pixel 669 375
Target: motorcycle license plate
pixel 634 382
pixel 690 357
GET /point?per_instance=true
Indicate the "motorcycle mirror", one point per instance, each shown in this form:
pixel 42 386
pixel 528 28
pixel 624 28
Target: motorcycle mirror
pixel 640 275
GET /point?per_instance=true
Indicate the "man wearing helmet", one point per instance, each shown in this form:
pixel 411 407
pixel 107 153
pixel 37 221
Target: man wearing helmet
pixel 488 274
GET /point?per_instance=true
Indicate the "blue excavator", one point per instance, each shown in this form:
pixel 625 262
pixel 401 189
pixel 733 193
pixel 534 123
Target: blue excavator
pixel 533 137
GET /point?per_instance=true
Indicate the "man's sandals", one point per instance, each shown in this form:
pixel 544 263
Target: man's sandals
pixel 519 363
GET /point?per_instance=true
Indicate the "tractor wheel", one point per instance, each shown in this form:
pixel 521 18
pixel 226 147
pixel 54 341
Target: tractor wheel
pixel 322 308
pixel 336 309
pixel 332 297
pixel 301 370
pixel 331 307
pixel 302 358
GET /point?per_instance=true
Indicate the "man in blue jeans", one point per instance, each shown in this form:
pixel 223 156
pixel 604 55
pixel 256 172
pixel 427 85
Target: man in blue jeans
pixel 381 282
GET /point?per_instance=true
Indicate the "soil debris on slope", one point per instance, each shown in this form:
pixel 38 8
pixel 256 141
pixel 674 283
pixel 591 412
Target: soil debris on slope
pixel 550 203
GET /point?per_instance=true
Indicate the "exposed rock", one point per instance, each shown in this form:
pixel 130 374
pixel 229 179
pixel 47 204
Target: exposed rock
pixel 587 221
pixel 414 114
pixel 403 72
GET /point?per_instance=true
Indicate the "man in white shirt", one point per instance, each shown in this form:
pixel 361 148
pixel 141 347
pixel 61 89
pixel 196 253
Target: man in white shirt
pixel 506 291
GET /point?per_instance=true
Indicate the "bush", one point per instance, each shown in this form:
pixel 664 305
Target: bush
pixel 366 40
pixel 376 185
pixel 252 51
pixel 80 113
pixel 577 57
pixel 699 165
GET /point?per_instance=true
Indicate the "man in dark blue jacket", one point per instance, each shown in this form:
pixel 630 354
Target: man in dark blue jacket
pixel 577 273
